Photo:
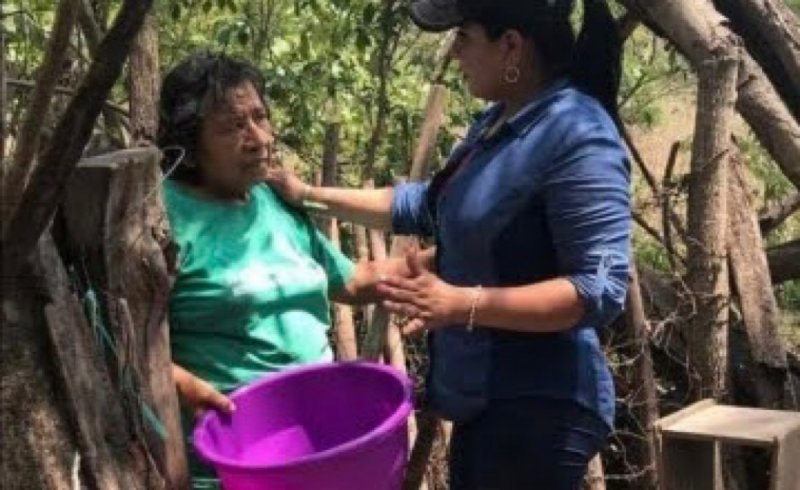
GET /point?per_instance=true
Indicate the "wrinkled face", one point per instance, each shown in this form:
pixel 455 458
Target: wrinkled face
pixel 236 143
pixel 482 61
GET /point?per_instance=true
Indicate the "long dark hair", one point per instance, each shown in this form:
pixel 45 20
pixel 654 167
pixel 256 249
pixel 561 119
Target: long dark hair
pixel 592 60
pixel 192 87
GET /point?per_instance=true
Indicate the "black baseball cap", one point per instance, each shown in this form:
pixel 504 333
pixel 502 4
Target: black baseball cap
pixel 441 15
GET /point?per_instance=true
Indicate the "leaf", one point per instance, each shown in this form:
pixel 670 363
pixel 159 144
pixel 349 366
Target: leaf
pixel 175 11
pixel 369 13
pixel 243 36
pixel 362 40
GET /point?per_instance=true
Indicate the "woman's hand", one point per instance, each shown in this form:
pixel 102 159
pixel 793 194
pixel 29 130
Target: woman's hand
pixel 426 299
pixel 198 395
pixel 287 185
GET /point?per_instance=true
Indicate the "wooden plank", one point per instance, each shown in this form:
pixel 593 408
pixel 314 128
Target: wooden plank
pixel 674 417
pixel 738 425
pixel 786 462
pixel 689 465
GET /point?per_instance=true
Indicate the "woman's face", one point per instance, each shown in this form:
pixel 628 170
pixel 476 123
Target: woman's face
pixel 236 143
pixel 481 60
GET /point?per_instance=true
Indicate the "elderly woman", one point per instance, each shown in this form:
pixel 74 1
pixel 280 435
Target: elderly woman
pixel 255 278
pixel 531 217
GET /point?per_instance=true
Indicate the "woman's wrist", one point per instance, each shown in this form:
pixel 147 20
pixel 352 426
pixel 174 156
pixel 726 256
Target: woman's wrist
pixel 306 195
pixel 475 294
pixel 313 198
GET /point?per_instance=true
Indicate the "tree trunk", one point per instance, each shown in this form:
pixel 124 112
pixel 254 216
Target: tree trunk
pixel 707 330
pixel 750 272
pixel 697 30
pixel 15 180
pixel 37 448
pixel 133 266
pixel 46 187
pixel 3 126
pixel 144 83
pixel 645 399
pixel 140 259
pixel 65 422
pixel 384 56
pixel 344 323
pixel 429 425
pixel 760 313
pixel 772 36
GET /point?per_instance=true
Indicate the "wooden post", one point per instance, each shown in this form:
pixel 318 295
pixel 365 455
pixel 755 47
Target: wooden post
pixel 125 247
pixel 707 330
pixel 645 400
pixel 434 111
pixel 346 342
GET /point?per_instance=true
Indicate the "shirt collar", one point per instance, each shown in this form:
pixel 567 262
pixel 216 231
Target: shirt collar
pixel 524 120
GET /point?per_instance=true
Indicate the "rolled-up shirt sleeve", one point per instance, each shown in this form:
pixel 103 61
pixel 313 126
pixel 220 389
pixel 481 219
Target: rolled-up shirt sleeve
pixel 588 212
pixel 410 215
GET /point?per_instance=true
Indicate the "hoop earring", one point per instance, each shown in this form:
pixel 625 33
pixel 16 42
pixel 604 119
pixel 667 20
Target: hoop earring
pixel 511 74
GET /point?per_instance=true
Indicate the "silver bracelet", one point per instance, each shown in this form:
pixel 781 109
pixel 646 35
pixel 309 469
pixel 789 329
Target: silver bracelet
pixel 473 307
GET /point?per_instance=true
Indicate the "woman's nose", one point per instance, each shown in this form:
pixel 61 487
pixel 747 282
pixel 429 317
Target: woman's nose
pixel 260 136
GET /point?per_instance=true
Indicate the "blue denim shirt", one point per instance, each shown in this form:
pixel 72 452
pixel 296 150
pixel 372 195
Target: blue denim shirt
pixel 546 196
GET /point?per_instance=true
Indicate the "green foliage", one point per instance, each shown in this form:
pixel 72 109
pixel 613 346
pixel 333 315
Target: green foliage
pixel 322 59
pixel 789 296
pixel 771 187
pixel 773 184
pixel 650 252
pixel 651 71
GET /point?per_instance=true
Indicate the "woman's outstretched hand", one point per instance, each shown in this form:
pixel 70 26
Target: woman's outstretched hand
pixel 287 185
pixel 426 299
pixel 198 395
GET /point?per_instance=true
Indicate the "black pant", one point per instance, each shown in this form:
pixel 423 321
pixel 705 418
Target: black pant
pixel 525 444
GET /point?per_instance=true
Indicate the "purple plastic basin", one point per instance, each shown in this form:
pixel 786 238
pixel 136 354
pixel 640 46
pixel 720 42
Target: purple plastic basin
pixel 336 426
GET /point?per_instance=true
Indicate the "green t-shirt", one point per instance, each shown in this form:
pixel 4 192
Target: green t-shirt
pixel 251 295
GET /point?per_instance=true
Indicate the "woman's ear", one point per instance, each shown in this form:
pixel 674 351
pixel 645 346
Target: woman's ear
pixel 515 45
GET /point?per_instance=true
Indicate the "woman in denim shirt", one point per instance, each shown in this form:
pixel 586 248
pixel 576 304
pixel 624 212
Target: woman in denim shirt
pixel 531 217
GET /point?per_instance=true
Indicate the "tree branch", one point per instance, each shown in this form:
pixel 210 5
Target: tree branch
pixel 89 25
pixel 2 95
pixel 694 27
pixel 16 179
pixel 46 188
pixel 784 262
pixel 666 204
pixel 27 84
pixel 775 215
pixel 772 35
pixel 93 34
